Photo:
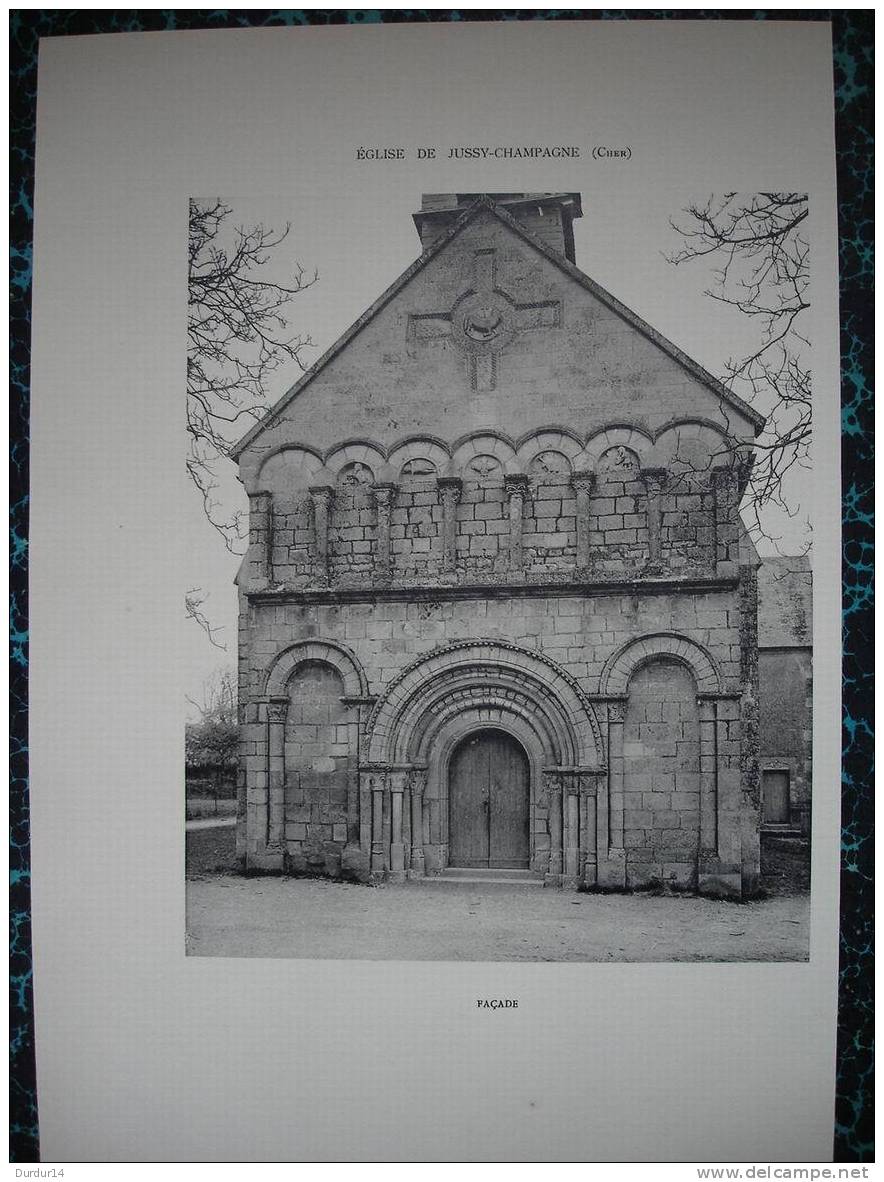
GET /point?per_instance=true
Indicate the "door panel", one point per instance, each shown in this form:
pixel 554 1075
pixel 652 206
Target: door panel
pixel 775 802
pixel 508 795
pixel 488 802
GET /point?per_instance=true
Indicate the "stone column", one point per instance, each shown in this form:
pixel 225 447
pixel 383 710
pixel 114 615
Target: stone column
pixel 708 767
pixel 611 855
pixel 397 846
pixel 556 848
pixel 365 814
pixel 321 495
pixel 417 784
pixel 260 540
pixel 516 487
pixel 726 494
pixel 571 803
pixel 588 828
pixel 383 498
pixel 584 484
pixel 654 480
pixel 449 492
pixel 378 858
pixel 277 708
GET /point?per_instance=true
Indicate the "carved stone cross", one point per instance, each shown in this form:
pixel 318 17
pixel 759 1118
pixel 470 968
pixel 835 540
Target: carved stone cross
pixel 483 320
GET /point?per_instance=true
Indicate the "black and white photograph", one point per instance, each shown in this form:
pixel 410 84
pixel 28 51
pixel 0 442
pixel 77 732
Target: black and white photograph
pixel 502 646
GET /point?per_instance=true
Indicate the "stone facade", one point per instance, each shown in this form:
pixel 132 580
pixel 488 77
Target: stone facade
pixel 501 503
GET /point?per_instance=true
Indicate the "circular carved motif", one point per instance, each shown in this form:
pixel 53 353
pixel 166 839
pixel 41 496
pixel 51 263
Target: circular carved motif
pixel 418 467
pixel 618 459
pixel 355 474
pixel 483 465
pixel 482 322
pixel 548 463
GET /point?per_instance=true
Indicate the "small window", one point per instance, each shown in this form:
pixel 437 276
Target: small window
pixel 775 797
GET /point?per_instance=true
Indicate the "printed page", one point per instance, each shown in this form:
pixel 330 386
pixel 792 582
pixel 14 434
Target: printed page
pixel 435 664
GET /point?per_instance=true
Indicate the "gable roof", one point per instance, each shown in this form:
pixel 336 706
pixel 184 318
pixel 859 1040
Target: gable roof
pixel 486 203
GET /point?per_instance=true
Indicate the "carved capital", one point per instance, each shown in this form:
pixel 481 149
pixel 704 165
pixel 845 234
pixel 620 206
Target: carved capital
pixel 552 782
pixel 516 484
pixel 277 710
pixel 418 781
pixel 653 478
pixel 383 496
pixel 450 488
pixel 397 781
pixel 617 710
pixel 321 493
pixel 583 482
pixel 724 477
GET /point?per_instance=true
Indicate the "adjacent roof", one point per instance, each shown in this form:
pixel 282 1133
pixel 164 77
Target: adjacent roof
pixel 487 203
pixel 785 602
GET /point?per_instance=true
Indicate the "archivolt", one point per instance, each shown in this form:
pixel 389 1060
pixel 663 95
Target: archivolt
pixel 496 674
pixel 285 663
pixel 620 667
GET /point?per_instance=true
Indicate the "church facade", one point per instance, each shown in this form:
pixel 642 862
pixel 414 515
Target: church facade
pixel 499 609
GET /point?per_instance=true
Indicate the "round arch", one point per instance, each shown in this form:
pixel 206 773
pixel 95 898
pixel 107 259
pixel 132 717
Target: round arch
pixel 487 669
pixel 286 662
pixel 619 668
pixel 616 435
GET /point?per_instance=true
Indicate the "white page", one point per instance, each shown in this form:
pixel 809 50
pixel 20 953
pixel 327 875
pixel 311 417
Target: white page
pixel 145 1054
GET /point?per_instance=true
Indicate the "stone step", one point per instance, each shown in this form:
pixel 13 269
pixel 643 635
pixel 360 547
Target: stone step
pixel 486 872
pixel 483 876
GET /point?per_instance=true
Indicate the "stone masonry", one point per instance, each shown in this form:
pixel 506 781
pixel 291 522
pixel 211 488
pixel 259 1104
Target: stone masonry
pixel 501 503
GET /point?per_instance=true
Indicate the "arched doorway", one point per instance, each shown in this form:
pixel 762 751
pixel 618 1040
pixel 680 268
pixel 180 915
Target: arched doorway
pixel 488 802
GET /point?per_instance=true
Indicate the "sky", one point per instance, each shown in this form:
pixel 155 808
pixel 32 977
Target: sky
pixel 359 246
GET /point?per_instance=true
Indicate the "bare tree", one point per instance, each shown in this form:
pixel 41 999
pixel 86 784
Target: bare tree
pixel 759 253
pixel 237 336
pixel 194 604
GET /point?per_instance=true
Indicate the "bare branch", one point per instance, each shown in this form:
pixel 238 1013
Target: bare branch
pixel 237 337
pixel 193 609
pixel 761 268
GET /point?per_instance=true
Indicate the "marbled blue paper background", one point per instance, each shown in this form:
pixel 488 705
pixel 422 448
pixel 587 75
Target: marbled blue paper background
pixel 853 47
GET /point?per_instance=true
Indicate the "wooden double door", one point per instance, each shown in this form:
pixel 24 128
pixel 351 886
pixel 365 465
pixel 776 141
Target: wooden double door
pixel 488 801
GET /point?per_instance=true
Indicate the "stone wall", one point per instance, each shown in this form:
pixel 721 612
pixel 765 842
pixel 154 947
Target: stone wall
pixel 662 776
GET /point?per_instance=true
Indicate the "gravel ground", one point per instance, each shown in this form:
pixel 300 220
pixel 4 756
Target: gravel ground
pixel 228 915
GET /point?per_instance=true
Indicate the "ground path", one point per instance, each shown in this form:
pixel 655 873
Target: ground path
pixel 289 917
